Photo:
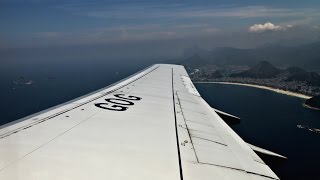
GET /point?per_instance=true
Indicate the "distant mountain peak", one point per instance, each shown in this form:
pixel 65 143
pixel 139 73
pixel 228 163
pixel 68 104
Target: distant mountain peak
pixel 296 70
pixel 306 55
pixel 194 61
pixel 263 69
pixel 195 50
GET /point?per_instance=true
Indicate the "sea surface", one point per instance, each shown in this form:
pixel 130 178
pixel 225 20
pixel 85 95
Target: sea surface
pixel 54 83
pixel 269 120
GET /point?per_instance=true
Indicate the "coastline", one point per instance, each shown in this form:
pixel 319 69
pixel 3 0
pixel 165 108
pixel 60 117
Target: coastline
pixel 280 91
pixel 310 107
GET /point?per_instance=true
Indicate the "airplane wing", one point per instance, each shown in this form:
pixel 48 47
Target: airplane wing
pixel 152 125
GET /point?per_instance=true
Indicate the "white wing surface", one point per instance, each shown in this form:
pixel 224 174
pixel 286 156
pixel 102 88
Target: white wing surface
pixel 152 125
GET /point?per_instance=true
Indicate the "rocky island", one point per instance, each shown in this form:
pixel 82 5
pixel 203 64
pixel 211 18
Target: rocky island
pixel 313 102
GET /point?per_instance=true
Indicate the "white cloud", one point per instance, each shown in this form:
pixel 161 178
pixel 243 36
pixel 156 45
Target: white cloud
pixel 257 28
pixel 316 27
pixel 289 26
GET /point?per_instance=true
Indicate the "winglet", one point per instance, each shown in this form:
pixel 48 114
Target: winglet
pixel 228 118
pixel 264 151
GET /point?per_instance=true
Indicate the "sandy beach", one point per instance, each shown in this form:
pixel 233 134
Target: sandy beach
pixel 289 93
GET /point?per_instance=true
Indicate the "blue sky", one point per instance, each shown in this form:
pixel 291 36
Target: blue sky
pixel 247 23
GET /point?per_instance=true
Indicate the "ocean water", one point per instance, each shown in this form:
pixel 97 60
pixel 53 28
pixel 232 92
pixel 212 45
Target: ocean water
pixel 54 83
pixel 269 120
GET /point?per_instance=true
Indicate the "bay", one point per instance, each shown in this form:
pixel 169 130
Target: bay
pixel 269 120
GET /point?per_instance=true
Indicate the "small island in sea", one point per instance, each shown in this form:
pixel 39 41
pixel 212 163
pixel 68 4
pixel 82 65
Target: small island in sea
pixel 21 81
pixel 313 102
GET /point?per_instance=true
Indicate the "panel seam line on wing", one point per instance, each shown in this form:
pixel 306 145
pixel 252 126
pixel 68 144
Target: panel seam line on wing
pixel 176 127
pixel 210 140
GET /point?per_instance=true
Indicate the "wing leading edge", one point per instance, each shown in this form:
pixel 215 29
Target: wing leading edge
pixel 152 125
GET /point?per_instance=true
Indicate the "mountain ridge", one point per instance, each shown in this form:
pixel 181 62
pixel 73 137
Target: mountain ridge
pixel 263 69
pixel 305 56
